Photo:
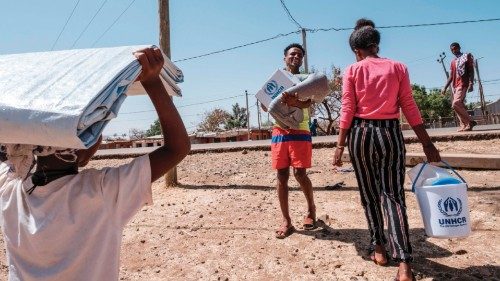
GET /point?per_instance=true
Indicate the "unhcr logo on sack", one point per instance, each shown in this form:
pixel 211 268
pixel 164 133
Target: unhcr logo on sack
pixel 451 207
pixel 272 89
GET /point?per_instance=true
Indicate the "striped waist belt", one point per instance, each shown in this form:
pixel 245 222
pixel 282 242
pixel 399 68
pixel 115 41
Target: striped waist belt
pixel 287 138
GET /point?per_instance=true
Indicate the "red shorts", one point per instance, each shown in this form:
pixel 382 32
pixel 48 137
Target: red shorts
pixel 291 148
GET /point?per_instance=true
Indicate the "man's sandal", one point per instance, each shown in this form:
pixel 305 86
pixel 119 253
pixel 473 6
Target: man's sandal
pixel 309 223
pixel 284 231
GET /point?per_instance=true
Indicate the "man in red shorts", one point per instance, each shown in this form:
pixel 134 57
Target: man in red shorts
pixel 462 77
pixel 293 148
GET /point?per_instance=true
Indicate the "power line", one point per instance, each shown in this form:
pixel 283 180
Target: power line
pixel 491 80
pixel 289 14
pixel 65 24
pixel 240 46
pixel 406 25
pixel 90 22
pixel 490 83
pixel 186 105
pixel 439 23
pixel 114 22
pixel 334 29
pixel 420 59
pixel 198 103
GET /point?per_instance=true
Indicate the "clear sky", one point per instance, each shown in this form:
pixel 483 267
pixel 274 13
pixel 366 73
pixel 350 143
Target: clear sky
pixel 202 26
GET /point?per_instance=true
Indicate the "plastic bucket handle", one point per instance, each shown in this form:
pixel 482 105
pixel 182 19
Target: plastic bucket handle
pixel 422 168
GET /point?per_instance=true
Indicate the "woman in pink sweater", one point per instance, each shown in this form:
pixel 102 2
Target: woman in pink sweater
pixel 374 91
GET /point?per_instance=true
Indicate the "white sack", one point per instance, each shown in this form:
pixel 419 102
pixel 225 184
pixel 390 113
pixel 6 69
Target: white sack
pixel 66 98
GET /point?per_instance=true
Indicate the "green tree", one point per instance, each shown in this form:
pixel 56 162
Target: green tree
pixel 238 118
pixel 154 129
pixel 432 104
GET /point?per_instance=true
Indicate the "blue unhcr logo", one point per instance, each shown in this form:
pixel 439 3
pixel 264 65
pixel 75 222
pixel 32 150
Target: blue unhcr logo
pixel 272 89
pixel 451 207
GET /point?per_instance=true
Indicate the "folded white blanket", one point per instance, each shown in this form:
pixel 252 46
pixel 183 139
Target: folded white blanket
pixel 66 98
pixel 313 86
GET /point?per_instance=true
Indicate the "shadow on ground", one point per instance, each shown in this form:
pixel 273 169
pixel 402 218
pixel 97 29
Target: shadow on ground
pixel 423 252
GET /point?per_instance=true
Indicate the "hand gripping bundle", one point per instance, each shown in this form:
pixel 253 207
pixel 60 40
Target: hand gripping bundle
pixel 313 86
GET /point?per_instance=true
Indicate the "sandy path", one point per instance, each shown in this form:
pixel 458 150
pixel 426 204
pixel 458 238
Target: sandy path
pixel 219 225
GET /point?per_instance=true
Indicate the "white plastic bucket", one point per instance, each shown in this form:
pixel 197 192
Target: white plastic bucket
pixel 444 208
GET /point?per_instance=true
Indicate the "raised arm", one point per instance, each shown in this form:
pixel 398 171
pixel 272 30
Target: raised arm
pixel 412 114
pixel 448 82
pixel 176 141
pixel 346 115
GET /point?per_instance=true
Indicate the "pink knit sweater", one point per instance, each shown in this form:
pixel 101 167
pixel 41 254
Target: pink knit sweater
pixel 376 88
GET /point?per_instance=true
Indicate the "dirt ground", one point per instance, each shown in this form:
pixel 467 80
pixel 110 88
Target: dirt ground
pixel 219 225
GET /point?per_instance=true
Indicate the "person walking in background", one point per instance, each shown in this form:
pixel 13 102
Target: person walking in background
pixel 462 77
pixel 313 127
pixel 374 91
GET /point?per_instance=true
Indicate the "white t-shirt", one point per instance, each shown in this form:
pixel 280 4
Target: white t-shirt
pixel 71 228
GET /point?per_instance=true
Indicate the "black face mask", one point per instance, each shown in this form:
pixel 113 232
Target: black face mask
pixel 41 178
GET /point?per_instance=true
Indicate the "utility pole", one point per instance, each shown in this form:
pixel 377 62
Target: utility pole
pixel 442 56
pixel 480 87
pixel 248 115
pixel 258 114
pixel 304 45
pixel 164 21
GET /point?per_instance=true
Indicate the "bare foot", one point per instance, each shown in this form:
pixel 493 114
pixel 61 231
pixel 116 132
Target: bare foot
pixel 379 255
pixel 404 273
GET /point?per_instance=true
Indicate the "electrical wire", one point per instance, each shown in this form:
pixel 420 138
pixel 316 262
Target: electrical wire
pixel 186 105
pixel 65 24
pixel 334 29
pixel 88 24
pixel 490 80
pixel 405 25
pixel 239 46
pixel 290 15
pixel 112 24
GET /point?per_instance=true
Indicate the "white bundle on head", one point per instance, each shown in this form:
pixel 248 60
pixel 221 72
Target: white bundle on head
pixel 21 157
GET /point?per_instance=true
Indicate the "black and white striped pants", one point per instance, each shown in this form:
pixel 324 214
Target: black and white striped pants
pixel 377 152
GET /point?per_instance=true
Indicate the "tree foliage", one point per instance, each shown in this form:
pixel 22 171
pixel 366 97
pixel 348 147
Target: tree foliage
pixel 214 121
pixel 136 134
pixel 238 118
pixel 431 103
pixel 154 129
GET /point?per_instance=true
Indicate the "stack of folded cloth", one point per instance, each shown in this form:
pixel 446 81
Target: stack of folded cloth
pixel 313 86
pixel 66 98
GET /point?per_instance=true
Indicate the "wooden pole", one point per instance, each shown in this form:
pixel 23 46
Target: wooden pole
pixel 442 56
pixel 248 116
pixel 304 45
pixel 164 21
pixel 481 93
